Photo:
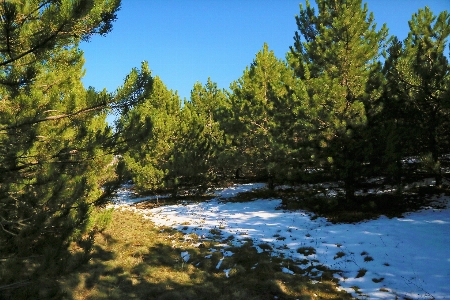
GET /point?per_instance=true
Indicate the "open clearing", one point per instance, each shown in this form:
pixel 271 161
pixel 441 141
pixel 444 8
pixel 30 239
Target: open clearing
pixel 386 258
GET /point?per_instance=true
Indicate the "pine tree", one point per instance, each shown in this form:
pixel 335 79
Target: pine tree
pixel 55 144
pixel 261 111
pixel 201 143
pixel 149 132
pixel 31 30
pixel 336 54
pixel 418 73
pixel 52 166
pixel 392 129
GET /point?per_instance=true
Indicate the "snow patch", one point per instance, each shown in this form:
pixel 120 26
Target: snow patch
pixel 185 256
pixel 404 257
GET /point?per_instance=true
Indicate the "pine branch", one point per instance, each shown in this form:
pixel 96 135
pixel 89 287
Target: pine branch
pixel 4 221
pixel 15 285
pixel 35 48
pixel 57 117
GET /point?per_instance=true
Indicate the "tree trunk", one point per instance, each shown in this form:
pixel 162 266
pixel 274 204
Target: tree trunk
pixel 349 191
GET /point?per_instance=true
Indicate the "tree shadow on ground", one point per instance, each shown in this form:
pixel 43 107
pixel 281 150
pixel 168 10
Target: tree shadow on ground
pixel 144 262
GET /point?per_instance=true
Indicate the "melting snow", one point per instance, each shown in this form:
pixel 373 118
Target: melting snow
pixel 185 256
pixel 286 270
pixel 404 257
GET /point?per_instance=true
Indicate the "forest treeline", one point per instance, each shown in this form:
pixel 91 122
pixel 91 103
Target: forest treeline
pixel 348 102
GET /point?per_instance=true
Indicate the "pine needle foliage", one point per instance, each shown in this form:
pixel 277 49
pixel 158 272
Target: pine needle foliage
pixel 148 133
pixel 55 145
pixel 416 96
pixel 336 53
pixel 265 102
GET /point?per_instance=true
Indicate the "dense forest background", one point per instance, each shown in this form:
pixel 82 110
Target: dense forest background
pixel 349 102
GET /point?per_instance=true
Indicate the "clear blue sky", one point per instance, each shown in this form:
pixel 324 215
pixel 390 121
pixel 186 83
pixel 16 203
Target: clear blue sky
pixel 186 41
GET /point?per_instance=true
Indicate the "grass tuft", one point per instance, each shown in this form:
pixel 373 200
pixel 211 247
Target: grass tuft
pixel 306 251
pixel 339 255
pixel 215 231
pixel 368 258
pixel 361 273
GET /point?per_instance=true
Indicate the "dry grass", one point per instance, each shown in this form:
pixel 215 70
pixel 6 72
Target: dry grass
pixel 133 259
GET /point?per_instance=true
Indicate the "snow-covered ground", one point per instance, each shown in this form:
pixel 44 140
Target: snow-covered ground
pixel 407 257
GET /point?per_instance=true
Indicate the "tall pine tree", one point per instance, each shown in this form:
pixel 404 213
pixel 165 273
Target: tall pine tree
pixel 393 129
pixel 149 133
pixel 199 152
pixel 336 54
pixel 418 73
pixel 262 109
pixel 54 154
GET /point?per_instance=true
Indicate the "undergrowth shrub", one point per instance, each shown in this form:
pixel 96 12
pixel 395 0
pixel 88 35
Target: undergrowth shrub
pixel 100 219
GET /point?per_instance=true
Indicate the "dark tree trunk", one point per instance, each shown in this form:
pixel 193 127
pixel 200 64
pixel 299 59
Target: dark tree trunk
pixel 350 191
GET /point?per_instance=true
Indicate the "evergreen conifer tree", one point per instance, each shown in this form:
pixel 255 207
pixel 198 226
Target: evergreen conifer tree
pixel 55 150
pixel 393 128
pixel 199 151
pixel 336 54
pixel 262 114
pixel 418 90
pixel 149 132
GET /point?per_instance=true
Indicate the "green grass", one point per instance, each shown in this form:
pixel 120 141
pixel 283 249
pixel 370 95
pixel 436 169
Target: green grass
pixel 133 259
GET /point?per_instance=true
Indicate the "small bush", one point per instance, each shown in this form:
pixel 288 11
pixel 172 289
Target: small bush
pixel 100 219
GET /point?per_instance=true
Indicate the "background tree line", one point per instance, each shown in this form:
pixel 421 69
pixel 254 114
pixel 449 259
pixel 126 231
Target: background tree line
pixel 347 102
